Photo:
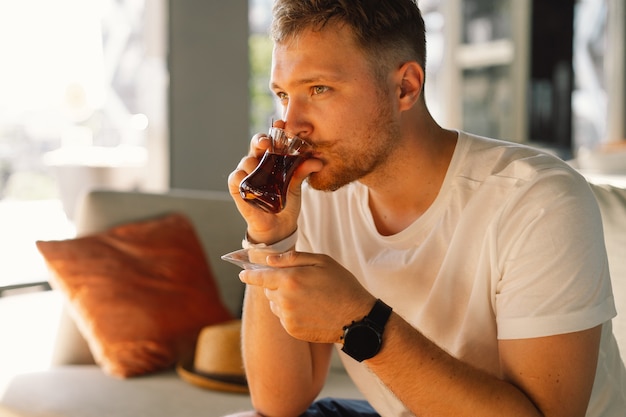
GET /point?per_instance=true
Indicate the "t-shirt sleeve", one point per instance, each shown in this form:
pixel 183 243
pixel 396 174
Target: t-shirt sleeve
pixel 554 275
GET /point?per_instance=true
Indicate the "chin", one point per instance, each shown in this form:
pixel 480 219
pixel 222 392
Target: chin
pixel 321 183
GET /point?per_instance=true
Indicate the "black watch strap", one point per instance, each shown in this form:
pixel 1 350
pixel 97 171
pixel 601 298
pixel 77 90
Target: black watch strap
pixel 378 315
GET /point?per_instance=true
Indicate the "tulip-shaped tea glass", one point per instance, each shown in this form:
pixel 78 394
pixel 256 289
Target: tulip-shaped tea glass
pixel 266 187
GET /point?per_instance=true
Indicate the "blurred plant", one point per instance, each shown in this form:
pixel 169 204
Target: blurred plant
pixel 261 100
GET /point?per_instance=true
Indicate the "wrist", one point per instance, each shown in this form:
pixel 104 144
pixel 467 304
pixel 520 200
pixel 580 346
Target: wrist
pixel 363 339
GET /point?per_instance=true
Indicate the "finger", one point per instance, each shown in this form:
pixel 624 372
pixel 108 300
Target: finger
pixel 293 259
pixel 246 165
pixel 259 144
pixel 258 278
pixel 308 167
pixel 274 308
pixel 279 124
pixel 234 179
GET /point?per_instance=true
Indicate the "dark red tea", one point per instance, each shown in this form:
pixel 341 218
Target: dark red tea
pixel 266 187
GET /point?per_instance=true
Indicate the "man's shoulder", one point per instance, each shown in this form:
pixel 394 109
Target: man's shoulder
pixel 489 158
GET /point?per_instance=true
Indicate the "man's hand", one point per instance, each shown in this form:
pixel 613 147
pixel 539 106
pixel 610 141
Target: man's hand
pixel 312 295
pixel 267 227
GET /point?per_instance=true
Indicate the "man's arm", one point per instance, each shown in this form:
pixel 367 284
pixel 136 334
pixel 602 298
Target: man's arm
pixel 545 376
pixel 548 376
pixel 284 374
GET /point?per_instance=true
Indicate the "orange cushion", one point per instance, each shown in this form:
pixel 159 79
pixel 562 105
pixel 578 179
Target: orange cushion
pixel 140 292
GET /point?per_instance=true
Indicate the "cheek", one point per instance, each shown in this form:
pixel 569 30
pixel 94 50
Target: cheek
pixel 351 111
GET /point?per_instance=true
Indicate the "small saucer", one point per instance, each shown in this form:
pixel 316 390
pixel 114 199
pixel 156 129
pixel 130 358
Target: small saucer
pixel 241 258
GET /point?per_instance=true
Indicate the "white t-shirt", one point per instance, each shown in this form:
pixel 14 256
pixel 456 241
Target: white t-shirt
pixel 511 248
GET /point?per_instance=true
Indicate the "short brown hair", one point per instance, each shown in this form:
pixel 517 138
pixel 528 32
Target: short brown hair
pixel 388 31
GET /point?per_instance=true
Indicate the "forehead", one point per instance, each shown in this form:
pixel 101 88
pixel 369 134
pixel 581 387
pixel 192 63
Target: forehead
pixel 330 53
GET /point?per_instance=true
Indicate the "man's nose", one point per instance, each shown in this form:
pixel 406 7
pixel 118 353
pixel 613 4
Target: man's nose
pixel 295 115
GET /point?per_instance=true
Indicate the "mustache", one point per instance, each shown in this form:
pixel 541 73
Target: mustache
pixel 321 145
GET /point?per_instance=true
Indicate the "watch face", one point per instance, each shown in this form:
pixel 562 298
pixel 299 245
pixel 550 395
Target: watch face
pixel 361 341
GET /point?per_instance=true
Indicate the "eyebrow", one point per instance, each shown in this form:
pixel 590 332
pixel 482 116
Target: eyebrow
pixel 305 81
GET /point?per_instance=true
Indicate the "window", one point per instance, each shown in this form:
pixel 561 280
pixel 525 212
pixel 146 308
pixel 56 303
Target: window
pixel 260 46
pixel 83 89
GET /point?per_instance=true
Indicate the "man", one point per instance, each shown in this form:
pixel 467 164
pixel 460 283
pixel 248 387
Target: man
pixel 480 264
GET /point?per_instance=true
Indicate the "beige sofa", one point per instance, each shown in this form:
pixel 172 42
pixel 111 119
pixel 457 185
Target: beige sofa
pixel 74 386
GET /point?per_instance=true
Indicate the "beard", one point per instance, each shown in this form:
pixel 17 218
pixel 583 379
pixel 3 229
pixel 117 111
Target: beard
pixel 349 160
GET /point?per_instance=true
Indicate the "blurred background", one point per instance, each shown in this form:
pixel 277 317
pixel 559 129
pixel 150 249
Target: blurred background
pixel 152 95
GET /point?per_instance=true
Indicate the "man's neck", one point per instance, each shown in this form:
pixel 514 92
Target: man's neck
pixel 411 183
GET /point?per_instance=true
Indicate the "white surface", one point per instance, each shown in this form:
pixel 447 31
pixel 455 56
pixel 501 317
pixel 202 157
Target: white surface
pixel 21 224
pixel 28 325
pixel 84 391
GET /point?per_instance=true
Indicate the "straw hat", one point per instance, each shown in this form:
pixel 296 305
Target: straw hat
pixel 217 362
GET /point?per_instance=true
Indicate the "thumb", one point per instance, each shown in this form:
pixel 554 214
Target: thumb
pixel 305 169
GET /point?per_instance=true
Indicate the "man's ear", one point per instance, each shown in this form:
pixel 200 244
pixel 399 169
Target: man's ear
pixel 411 83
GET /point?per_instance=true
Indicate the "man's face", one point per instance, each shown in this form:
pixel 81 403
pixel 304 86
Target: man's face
pixel 329 96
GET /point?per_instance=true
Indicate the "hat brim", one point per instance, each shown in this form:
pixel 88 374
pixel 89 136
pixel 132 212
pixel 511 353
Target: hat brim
pixel 219 382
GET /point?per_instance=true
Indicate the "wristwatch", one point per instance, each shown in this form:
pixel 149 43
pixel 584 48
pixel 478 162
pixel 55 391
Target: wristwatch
pixel 363 339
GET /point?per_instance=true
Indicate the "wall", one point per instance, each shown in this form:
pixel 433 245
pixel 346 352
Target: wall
pixel 208 64
pixel 616 71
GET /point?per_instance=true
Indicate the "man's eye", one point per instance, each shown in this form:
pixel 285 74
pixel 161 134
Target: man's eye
pixel 281 96
pixel 319 89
